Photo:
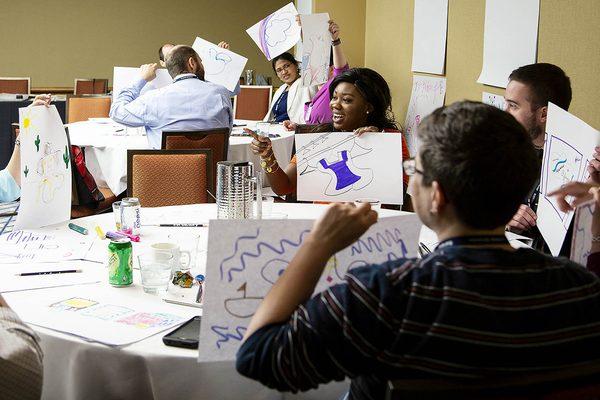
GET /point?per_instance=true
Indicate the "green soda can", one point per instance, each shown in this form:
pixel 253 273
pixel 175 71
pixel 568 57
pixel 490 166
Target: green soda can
pixel 120 268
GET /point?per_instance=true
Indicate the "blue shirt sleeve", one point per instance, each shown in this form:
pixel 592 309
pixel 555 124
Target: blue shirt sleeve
pixel 9 190
pixel 131 110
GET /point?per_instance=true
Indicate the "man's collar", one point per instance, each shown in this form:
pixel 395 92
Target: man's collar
pixel 182 75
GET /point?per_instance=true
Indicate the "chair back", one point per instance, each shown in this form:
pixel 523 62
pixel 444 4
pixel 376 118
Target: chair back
pixel 90 86
pixel 216 139
pixel 15 85
pixel 574 383
pixel 80 108
pixel 169 177
pixel 252 103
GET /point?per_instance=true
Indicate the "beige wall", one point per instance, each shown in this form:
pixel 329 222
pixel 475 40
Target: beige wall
pixel 350 16
pixel 55 42
pixel 569 36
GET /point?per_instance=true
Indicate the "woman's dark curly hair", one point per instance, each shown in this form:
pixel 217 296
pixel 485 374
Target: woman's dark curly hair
pixel 375 90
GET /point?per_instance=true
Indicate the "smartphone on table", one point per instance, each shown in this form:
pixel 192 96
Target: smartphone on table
pixel 186 335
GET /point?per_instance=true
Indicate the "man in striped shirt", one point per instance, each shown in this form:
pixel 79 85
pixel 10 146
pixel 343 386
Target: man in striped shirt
pixel 475 307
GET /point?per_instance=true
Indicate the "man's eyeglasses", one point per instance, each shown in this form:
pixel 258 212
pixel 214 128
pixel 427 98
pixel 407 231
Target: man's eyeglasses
pixel 282 68
pixel 410 167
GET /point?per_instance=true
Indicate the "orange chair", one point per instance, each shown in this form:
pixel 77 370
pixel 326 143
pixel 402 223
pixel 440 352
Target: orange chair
pixel 252 103
pixel 169 177
pixel 15 85
pixel 90 86
pixel 573 383
pixel 215 139
pixel 80 108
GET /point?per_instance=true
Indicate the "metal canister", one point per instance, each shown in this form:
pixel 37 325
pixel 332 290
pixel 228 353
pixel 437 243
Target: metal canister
pixel 120 262
pixel 130 215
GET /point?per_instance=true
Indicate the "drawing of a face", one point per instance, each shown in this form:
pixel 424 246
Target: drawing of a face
pixel 286 71
pixel 348 107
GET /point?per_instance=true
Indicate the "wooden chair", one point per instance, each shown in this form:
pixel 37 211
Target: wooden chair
pixel 216 139
pixel 15 85
pixel 576 383
pixel 90 86
pixel 80 108
pixel 169 177
pixel 252 103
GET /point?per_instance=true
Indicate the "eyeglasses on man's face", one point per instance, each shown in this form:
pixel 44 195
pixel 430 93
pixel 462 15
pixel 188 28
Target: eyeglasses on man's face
pixel 410 167
pixel 282 68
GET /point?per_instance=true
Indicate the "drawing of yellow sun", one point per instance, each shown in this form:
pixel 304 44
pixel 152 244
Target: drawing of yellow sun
pixel 26 122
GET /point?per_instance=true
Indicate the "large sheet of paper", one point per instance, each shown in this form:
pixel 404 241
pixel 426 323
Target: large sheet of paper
pixel 45 169
pixel 221 66
pixel 569 145
pixel 428 93
pixel 12 281
pixel 316 49
pixel 495 100
pixel 245 258
pixel 125 76
pixel 106 317
pixel 509 38
pixel 581 244
pixel 7 222
pixel 340 166
pixel 429 36
pixel 276 33
pixel 28 246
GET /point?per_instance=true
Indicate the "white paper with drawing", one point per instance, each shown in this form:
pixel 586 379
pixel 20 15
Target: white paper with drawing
pixel 277 33
pixel 340 166
pixel 509 38
pixel 495 100
pixel 569 145
pixel 43 245
pixel 581 244
pixel 221 66
pixel 45 168
pixel 316 49
pixel 246 257
pixel 124 77
pixel 106 317
pixel 429 36
pixel 428 93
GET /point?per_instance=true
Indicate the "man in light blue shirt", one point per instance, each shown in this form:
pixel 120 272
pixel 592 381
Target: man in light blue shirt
pixel 190 103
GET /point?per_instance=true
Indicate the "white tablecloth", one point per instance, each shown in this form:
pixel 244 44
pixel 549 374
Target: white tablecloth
pixel 77 369
pixel 106 142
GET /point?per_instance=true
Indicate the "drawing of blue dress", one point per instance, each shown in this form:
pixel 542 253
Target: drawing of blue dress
pixel 344 176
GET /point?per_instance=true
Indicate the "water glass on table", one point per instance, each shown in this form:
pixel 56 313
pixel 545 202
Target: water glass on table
pixel 155 270
pixel 116 206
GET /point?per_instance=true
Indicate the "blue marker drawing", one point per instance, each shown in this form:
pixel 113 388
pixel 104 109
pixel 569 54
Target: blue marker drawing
pixel 559 164
pixel 224 335
pixel 278 249
pixel 377 243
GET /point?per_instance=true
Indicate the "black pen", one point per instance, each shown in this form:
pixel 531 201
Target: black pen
pixel 9 214
pixel 183 225
pixel 66 271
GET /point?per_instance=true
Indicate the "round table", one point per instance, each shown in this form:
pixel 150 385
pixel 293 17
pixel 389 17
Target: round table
pixel 78 369
pixel 106 143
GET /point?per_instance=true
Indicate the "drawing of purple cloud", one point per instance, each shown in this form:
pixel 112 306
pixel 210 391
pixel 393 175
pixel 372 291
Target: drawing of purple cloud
pixel 277 31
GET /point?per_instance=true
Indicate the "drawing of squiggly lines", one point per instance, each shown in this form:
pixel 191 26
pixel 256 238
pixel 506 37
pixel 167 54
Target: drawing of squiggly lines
pixel 273 31
pixel 216 62
pixel 279 248
pixel 392 240
pixel 223 333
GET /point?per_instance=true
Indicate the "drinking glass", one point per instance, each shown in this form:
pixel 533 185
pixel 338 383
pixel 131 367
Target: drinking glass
pixel 155 269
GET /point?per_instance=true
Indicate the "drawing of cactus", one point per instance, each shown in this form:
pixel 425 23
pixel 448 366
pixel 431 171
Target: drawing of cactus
pixel 37 143
pixel 26 171
pixel 66 157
